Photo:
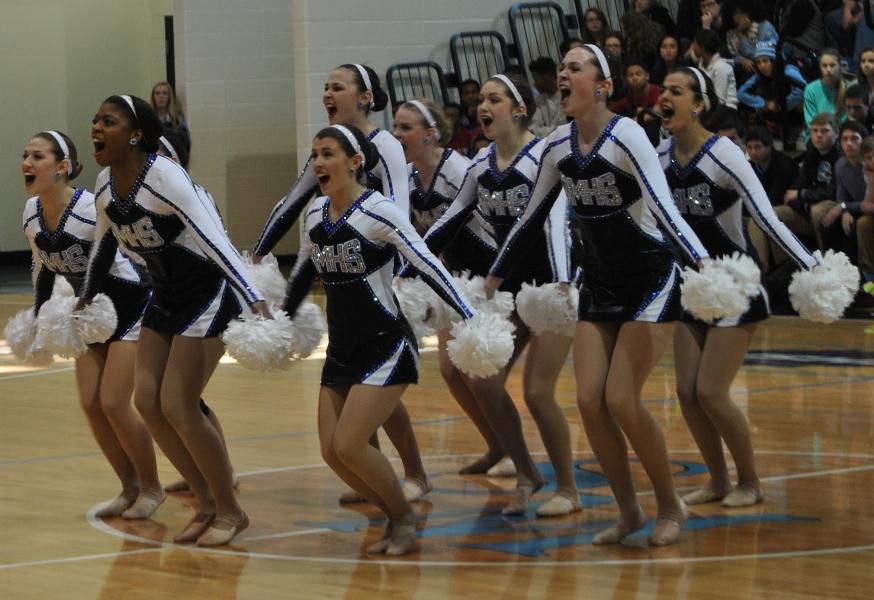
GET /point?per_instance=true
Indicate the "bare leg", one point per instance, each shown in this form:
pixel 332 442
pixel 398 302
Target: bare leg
pixel 689 343
pixel 365 409
pixel 181 485
pixel 89 368
pixel 638 348
pixel 593 349
pixel 546 356
pixel 399 429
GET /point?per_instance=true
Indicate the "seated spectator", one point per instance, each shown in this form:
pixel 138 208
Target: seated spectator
pixel 668 59
pixel 640 93
pixel 478 143
pixel 837 223
pixel 569 43
pixel 163 101
pixel 866 72
pixel 761 94
pixel 747 34
pixel 865 220
pixel 706 49
pixel 848 30
pixel 813 193
pixel 826 94
pixel 858 107
pixel 657 14
pixel 461 136
pixel 724 121
pixel 642 37
pixel 777 171
pixel 549 114
pixel 800 25
pixel 595 28
pixel 711 19
pixel 614 45
pixel 468 92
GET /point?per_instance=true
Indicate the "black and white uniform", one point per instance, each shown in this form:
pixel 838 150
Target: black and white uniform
pixel 198 277
pixel 474 248
pixel 710 192
pixel 65 251
pixel 619 196
pixel 501 197
pixel 369 340
pixel 389 177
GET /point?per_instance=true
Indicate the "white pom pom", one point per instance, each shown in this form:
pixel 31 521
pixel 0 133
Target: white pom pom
pixel 823 293
pixel 745 272
pixel 548 308
pixel 483 344
pixel 501 303
pixel 267 278
pixel 713 292
pixel 68 333
pixel 62 287
pixel 20 333
pixel 308 328
pixel 260 344
pixel 415 298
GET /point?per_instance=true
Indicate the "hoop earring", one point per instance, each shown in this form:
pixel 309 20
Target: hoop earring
pixel 133 141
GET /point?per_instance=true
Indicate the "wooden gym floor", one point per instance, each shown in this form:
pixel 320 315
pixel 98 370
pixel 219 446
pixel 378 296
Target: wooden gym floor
pixel 807 390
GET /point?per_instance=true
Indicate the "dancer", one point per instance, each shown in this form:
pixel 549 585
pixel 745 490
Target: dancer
pixel 352 93
pixel 712 181
pixel 352 237
pixel 629 298
pixel 199 282
pixel 436 174
pixel 498 184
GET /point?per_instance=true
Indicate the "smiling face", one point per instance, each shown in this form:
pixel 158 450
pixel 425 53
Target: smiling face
pixel 495 110
pixel 111 132
pixel 677 102
pixel 39 166
pixel 341 97
pixel 578 82
pixel 334 169
pixel 413 134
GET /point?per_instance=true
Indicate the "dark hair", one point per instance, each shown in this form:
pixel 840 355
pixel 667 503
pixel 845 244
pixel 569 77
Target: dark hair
pixel 524 90
pixel 587 35
pixel 380 98
pixel 468 82
pixel 861 77
pixel 857 92
pixel 695 86
pixel 454 105
pixel 615 67
pixel 440 124
pixel 825 118
pixel 855 126
pixel 543 64
pixel 708 40
pixel 145 120
pixel 565 45
pixel 724 118
pixel 59 154
pixel 371 154
pixel 178 143
pixel 867 146
pixel 480 137
pixel 635 62
pixel 758 133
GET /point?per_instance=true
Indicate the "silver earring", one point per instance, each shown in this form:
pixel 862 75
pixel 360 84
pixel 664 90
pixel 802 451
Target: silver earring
pixel 597 92
pixel 133 141
pixel 360 105
pixel 694 113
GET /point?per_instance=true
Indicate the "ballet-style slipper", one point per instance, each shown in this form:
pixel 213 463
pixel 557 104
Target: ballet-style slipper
pixel 351 497
pixel 503 468
pixel 702 495
pixel 219 536
pixel 667 529
pixel 116 507
pixel 558 506
pixel 741 496
pixel 145 505
pixel 403 539
pixel 414 489
pixel 620 530
pixel 195 528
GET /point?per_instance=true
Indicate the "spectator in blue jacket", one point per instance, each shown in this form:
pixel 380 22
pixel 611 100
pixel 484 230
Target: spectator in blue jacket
pixel 744 39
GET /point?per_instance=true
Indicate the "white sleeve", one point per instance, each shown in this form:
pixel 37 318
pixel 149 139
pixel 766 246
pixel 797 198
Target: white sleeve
pixel 456 216
pixel 558 239
pixel 744 181
pixel 643 163
pixel 394 174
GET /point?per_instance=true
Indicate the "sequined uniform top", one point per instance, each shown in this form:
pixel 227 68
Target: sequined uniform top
pixel 474 248
pixel 389 177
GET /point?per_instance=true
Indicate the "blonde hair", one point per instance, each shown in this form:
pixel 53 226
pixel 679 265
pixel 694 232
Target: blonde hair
pixel 442 127
pixel 172 107
pixel 841 95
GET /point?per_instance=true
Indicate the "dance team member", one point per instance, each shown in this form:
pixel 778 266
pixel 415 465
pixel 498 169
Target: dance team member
pixel 712 182
pixel 352 237
pixel 59 223
pixel 148 205
pixel 629 298
pixel 498 184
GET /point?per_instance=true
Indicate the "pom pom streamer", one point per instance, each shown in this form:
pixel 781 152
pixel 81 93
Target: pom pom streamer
pixel 721 289
pixel 482 345
pixel 267 278
pixel 260 344
pixel 20 334
pixel 68 333
pixel 414 299
pixel 823 293
pixel 308 328
pixel 62 287
pixel 548 308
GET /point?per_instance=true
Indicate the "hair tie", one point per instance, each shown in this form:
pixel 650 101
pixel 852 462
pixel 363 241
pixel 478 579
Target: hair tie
pixel 425 112
pixel 350 137
pixel 702 85
pixel 169 148
pixel 512 87
pixel 366 79
pixel 130 102
pixel 64 148
pixel 602 59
